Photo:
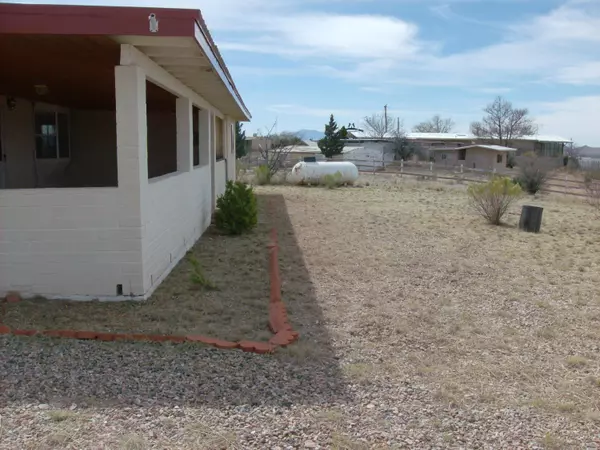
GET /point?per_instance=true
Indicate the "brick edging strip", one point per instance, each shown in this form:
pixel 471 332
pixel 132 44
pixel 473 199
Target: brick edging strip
pixel 278 321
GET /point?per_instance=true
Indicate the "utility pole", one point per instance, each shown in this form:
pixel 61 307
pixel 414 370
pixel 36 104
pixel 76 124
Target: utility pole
pixel 385 118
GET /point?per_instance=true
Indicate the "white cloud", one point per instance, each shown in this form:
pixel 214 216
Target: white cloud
pixel 575 117
pixel 586 73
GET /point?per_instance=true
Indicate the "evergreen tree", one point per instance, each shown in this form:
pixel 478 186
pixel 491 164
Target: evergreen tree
pixel 240 141
pixel 332 143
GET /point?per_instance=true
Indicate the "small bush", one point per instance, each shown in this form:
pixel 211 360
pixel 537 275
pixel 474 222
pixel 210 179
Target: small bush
pixel 492 199
pixel 332 181
pixel 197 276
pixel 592 188
pixel 237 211
pixel 534 173
pixel 262 175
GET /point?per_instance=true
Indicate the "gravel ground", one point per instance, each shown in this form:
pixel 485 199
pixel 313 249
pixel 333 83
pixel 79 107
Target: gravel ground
pixel 421 327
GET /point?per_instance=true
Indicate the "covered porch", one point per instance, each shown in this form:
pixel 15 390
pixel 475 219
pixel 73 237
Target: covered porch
pixel 115 143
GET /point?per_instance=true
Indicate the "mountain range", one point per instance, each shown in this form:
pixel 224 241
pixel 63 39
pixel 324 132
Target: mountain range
pixel 308 135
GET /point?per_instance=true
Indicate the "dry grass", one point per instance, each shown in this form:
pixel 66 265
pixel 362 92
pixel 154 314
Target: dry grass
pixel 480 314
pixel 236 309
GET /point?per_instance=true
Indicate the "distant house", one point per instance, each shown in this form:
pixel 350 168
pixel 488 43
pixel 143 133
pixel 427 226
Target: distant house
pixel 543 145
pixel 478 156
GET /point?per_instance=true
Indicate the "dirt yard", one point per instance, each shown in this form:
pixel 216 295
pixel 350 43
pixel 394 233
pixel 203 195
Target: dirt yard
pixel 421 327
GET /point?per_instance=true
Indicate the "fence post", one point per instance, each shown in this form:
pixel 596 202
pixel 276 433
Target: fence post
pixel 565 183
pixel 401 167
pixel 431 166
pixel 494 171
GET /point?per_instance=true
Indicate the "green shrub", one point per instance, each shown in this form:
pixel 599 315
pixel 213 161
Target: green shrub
pixel 332 181
pixel 237 211
pixel 533 174
pixel 197 276
pixel 262 175
pixel 492 199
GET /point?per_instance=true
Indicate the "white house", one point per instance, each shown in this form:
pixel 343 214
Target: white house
pixel 117 135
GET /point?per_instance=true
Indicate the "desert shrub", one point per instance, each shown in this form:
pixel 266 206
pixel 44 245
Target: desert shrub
pixel 262 175
pixel 492 199
pixel 197 276
pixel 592 187
pixel 237 211
pixel 332 181
pixel 533 174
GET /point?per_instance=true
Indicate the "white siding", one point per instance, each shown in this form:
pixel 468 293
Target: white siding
pixel 176 213
pixel 55 242
pixel 220 177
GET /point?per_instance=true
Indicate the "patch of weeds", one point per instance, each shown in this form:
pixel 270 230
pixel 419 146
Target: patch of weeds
pixel 343 442
pixel 197 276
pixel 204 437
pixel 566 407
pixel 551 442
pixel 594 381
pixel 593 416
pixel 58 440
pixel 60 415
pixel 576 361
pixel 542 304
pixel 133 442
pixel 331 415
pixel 540 403
pixel 359 371
pixel 546 333
pixel 331 181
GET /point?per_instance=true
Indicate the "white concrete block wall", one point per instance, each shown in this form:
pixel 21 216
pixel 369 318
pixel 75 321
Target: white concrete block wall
pixel 177 211
pixel 67 241
pixel 220 177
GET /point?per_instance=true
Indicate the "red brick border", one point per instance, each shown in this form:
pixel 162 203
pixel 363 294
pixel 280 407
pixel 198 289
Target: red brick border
pixel 278 321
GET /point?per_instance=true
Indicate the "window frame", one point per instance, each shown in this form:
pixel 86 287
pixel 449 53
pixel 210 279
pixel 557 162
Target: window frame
pixel 499 158
pixel 44 108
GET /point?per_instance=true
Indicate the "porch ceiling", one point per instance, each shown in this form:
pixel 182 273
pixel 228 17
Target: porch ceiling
pixel 184 59
pixel 178 40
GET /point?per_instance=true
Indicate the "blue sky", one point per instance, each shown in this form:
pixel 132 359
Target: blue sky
pixel 297 61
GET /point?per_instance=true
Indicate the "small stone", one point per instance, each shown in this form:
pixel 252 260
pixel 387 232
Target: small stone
pixel 370 406
pixel 310 444
pixel 73 407
pixel 44 406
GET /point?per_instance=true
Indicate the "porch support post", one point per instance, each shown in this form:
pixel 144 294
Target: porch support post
pixel 132 145
pixel 184 115
pixel 132 164
pixel 205 135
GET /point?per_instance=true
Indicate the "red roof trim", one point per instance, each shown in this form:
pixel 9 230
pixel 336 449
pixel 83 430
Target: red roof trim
pixel 106 21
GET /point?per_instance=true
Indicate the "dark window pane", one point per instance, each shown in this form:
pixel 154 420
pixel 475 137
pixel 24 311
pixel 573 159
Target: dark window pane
pixel 45 135
pixel 45 147
pixel 45 123
pixel 63 136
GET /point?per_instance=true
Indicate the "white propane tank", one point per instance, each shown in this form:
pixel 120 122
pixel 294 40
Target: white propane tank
pixel 313 172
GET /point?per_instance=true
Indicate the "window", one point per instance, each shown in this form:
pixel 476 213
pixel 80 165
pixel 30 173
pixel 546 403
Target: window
pixel 444 156
pixel 462 154
pixel 195 136
pixel 219 138
pixel 499 158
pixel 51 135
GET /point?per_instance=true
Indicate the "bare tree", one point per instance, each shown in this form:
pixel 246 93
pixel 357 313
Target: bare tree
pixel 379 125
pixel 503 123
pixel 274 156
pixel 436 124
